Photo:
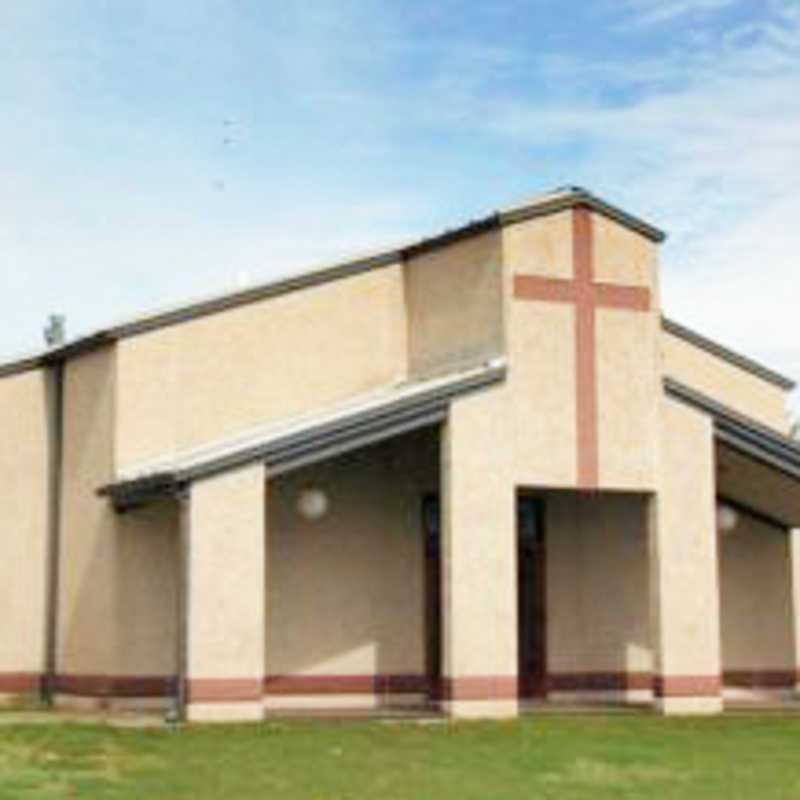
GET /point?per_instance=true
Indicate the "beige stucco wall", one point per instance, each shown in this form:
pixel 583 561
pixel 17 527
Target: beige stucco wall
pixel 117 576
pixel 225 607
pixel 623 256
pixel 145 590
pixel 87 632
pixel 542 346
pixel 684 581
pixel 794 563
pixel 454 304
pixel 628 394
pixel 724 382
pixel 627 359
pixel 541 394
pixel 23 520
pixel 224 542
pixel 215 376
pixel 345 593
pixel 479 608
pixel 756 597
pixel 540 245
pixel 597 583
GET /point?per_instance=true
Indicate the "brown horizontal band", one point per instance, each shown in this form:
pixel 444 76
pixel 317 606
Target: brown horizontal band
pixel 222 690
pixel 613 295
pixel 13 682
pixel 345 684
pixel 598 681
pixel 539 287
pixel 115 685
pixel 562 290
pixel 480 687
pixel 760 678
pixel 687 685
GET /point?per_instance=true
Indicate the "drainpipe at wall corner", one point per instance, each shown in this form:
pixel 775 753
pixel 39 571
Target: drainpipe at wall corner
pixel 49 680
pixel 177 712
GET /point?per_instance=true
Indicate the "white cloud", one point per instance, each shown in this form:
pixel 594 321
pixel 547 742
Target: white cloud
pixel 645 13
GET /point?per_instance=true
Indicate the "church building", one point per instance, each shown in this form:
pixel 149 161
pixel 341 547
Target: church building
pixel 474 474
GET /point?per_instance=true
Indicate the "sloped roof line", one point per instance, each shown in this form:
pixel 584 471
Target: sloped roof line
pixel 541 205
pixel 300 441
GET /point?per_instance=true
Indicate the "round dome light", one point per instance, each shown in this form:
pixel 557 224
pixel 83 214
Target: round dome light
pixel 727 518
pixel 312 503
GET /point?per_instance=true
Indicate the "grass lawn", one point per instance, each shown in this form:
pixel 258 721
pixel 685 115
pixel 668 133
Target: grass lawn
pixel 592 756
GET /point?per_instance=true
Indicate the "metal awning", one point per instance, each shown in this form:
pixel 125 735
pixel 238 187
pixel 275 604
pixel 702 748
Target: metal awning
pixel 757 467
pixel 296 443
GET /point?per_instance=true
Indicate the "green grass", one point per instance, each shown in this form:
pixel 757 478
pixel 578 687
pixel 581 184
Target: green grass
pixel 563 757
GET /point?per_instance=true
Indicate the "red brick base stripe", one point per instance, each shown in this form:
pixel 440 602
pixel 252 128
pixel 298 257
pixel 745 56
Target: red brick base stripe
pixel 760 678
pixel 345 684
pixel 115 685
pixel 687 685
pixel 15 682
pixel 480 687
pixel 598 681
pixel 224 690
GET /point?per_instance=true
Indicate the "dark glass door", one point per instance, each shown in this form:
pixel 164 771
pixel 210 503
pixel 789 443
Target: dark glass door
pixel 531 596
pixel 431 527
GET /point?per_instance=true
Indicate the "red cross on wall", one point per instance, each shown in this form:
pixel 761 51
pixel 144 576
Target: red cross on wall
pixel 587 295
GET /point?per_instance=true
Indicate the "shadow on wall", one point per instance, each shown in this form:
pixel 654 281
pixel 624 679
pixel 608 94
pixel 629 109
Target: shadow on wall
pixel 597 584
pixel 345 594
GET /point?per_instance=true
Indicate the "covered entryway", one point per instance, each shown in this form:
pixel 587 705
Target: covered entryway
pixel 583 596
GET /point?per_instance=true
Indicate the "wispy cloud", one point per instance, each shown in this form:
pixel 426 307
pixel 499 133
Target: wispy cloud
pixel 646 13
pixel 359 123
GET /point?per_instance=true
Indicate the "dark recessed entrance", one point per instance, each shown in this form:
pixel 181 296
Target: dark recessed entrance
pixel 531 596
pixel 431 528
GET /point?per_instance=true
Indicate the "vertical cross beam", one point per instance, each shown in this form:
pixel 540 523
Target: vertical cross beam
pixel 587 295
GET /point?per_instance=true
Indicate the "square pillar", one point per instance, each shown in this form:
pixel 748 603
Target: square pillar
pixel 224 557
pixel 479 570
pixel 684 572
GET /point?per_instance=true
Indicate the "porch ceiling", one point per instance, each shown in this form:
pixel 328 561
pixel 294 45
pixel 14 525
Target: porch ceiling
pixel 771 493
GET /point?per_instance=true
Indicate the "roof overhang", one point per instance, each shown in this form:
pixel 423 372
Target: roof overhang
pixel 301 442
pixel 757 467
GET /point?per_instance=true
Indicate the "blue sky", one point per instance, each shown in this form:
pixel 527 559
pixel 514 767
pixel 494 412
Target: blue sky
pixel 155 151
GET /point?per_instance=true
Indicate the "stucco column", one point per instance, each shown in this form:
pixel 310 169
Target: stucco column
pixel 225 596
pixel 479 575
pixel 684 573
pixel 794 558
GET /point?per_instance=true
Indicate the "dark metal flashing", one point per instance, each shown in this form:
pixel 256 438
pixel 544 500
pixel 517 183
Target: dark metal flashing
pixel 577 196
pixel 742 433
pixel 182 605
pixel 314 443
pixel 748 510
pixel 57 355
pixel 474 228
pixel 738 360
pixel 53 561
pixel 559 201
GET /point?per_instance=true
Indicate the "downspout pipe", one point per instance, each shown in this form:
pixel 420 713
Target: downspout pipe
pixel 48 685
pixel 181 604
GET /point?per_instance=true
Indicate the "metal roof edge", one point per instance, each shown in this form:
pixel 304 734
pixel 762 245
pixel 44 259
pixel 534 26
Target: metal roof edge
pixel 394 415
pixel 726 354
pixel 577 196
pixel 741 431
pixel 546 204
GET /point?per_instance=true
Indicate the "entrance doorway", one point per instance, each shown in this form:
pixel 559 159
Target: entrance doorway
pixel 531 619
